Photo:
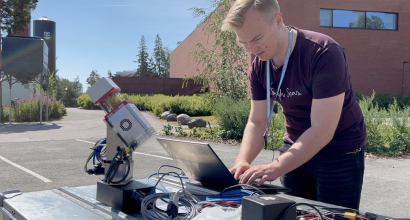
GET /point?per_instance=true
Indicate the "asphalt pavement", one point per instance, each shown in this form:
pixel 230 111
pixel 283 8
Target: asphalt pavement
pixel 42 157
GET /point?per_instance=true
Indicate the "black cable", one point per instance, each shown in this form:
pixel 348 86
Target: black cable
pixel 247 187
pixel 180 179
pixel 166 165
pixel 113 168
pixel 86 162
pixel 171 167
pixel 126 174
pixel 300 204
pixel 336 209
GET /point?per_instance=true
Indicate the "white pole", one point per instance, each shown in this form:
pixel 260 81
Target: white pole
pixel 41 104
pixel 10 104
pixel 47 105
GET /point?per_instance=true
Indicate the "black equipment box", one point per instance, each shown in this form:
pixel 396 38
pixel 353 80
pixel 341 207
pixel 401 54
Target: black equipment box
pixel 124 198
pixel 267 207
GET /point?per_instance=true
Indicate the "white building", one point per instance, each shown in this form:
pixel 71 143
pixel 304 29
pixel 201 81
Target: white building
pixel 125 73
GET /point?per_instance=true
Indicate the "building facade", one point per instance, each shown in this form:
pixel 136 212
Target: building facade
pixel 375 35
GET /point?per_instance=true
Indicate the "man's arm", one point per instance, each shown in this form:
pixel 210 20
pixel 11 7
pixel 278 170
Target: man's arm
pixel 252 141
pixel 325 116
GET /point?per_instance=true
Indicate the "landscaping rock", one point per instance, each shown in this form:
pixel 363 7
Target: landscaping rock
pixel 165 115
pixel 183 119
pixel 172 117
pixel 197 123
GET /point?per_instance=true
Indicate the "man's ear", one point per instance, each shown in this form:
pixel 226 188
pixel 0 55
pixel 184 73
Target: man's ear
pixel 278 20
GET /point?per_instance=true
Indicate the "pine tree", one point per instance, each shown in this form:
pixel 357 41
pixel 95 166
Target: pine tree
pixel 16 15
pixel 165 55
pixel 152 68
pixel 158 56
pixel 142 70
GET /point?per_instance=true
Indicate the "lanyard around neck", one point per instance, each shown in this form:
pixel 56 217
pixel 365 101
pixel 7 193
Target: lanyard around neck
pixel 269 112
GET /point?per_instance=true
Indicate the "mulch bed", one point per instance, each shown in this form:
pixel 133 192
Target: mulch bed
pixel 238 143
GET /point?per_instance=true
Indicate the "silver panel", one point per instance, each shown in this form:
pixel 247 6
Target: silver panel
pixel 112 142
pixel 6 215
pixel 133 128
pixel 46 205
pixel 100 88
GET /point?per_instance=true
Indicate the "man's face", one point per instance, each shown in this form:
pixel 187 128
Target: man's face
pixel 258 35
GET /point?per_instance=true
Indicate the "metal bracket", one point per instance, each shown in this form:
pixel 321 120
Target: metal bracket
pixel 8 195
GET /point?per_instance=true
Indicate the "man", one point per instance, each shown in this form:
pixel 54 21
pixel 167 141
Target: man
pixel 322 157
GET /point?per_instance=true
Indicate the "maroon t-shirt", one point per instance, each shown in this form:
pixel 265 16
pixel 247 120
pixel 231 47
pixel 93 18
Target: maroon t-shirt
pixel 317 69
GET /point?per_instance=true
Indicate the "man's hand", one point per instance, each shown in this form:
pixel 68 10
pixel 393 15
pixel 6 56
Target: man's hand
pixel 239 168
pixel 263 172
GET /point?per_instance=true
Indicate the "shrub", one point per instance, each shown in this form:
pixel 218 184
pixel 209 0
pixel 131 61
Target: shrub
pixel 399 119
pixel 384 100
pixel 4 113
pixel 377 129
pixel 232 116
pixel 195 105
pixel 85 101
pixel 277 129
pixel 388 130
pixel 28 110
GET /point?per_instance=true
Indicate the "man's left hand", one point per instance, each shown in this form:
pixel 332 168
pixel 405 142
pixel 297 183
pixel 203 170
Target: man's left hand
pixel 263 172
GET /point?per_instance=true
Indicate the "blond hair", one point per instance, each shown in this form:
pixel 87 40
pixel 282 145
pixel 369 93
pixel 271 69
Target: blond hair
pixel 236 15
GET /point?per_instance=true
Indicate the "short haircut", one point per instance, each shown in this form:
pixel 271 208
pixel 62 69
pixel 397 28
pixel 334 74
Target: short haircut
pixel 236 15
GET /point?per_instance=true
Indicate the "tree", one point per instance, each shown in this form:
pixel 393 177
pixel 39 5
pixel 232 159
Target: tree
pixel 93 78
pixel 16 15
pixel 359 23
pixel 225 62
pixel 109 74
pixel 158 56
pixel 142 70
pixel 151 71
pixel 375 22
pixel 372 22
pixel 68 91
pixel 165 55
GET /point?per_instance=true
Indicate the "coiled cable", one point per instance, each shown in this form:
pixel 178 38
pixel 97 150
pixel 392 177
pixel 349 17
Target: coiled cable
pixel 154 214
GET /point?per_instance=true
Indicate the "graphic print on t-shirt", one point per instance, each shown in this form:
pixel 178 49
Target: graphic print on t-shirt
pixel 284 94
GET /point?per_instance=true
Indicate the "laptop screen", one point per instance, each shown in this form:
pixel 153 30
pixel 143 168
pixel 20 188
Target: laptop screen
pixel 199 162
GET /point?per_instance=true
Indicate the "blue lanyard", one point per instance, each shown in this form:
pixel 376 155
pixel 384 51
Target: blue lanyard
pixel 269 112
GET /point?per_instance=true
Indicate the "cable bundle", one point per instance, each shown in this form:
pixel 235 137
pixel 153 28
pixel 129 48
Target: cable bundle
pixel 120 156
pixel 156 214
pixel 181 198
pixel 98 153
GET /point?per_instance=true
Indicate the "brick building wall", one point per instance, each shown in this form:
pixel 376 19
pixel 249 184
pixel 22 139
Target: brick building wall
pixel 375 57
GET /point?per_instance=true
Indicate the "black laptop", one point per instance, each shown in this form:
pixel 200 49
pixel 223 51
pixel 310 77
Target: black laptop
pixel 200 163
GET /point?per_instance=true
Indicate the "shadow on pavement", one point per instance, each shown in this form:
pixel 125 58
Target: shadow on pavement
pixel 23 127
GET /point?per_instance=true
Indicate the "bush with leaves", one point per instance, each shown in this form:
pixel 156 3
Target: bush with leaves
pixel 85 101
pixel 384 100
pixel 400 121
pixel 195 105
pixel 232 116
pixel 4 114
pixel 28 110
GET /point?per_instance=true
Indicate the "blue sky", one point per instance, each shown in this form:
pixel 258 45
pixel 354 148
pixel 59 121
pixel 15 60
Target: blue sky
pixel 105 34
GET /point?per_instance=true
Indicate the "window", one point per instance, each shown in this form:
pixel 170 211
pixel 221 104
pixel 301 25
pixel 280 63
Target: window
pixel 325 17
pixel 358 19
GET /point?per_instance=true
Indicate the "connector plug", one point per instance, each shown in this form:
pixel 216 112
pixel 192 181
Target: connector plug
pixel 350 215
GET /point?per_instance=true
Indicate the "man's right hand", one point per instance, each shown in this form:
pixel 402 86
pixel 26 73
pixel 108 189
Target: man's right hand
pixel 239 169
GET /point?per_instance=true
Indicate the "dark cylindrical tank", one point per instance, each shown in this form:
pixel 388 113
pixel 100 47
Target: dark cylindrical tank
pixel 46 28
